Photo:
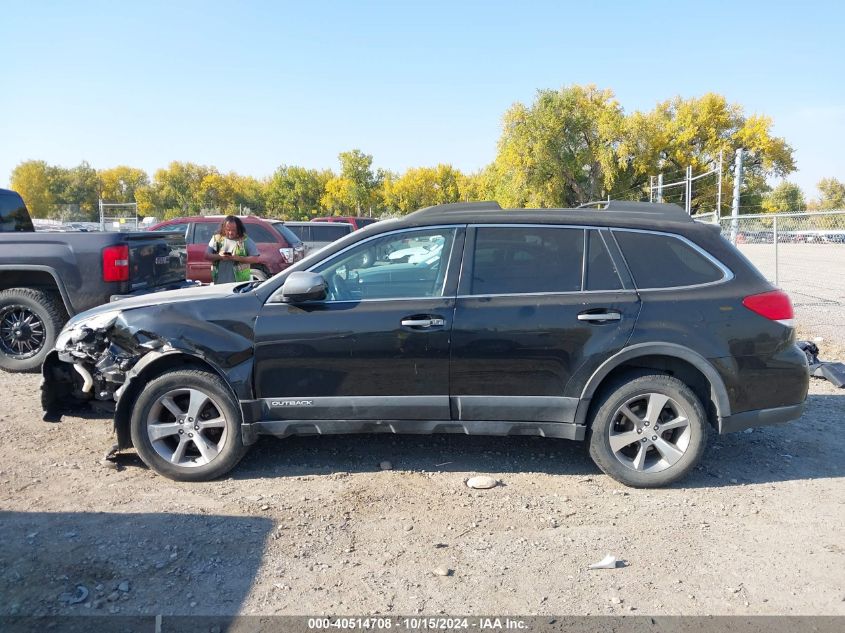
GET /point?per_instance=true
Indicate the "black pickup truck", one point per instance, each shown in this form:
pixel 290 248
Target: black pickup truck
pixel 47 277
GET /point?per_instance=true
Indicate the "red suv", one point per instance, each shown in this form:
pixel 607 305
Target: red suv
pixel 279 246
pixel 357 223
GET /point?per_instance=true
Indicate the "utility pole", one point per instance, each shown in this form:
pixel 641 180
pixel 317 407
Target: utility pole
pixel 660 187
pixel 689 190
pixel 651 188
pixel 719 192
pixel 737 185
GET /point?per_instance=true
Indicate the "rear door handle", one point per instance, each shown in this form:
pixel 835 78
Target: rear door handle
pixel 423 323
pixel 610 315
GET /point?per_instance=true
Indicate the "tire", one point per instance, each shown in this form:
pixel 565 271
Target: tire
pixel 161 423
pixel 622 438
pixel 257 274
pixel 30 321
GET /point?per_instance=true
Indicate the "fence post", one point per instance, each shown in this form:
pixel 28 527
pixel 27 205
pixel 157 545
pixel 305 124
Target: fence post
pixel 776 249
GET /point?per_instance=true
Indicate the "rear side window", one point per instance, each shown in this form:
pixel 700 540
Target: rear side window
pixel 518 260
pixel 329 232
pixel 259 234
pixel 664 261
pixel 203 231
pixel 302 231
pixel 13 215
pixel 601 271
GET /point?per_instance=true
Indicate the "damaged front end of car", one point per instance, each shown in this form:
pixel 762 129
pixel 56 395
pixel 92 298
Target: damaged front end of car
pixel 89 366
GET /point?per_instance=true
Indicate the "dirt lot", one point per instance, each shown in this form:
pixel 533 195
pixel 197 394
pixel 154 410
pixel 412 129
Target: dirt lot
pixel 315 526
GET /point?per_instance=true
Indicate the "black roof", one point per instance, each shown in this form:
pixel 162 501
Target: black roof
pixel 614 213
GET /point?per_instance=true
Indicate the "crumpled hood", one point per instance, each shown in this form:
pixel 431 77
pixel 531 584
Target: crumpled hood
pixel 197 293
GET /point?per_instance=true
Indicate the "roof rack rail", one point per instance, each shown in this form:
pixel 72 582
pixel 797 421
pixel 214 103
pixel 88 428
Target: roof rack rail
pixel 458 207
pixel 666 210
pixel 595 203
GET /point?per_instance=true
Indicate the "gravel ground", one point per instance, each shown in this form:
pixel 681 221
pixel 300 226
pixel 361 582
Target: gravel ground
pixel 317 526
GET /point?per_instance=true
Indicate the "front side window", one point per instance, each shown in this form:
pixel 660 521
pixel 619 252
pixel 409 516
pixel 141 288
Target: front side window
pixel 664 261
pixel 403 265
pixel 521 260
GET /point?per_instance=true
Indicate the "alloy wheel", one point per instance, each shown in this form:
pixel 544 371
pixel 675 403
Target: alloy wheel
pixel 187 428
pixel 22 332
pixel 649 433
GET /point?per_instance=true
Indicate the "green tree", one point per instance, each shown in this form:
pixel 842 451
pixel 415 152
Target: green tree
pixel 249 193
pixel 295 192
pixel 31 179
pixel 356 168
pixel 120 183
pixel 786 197
pixel 216 192
pixel 340 196
pixel 833 194
pixel 691 132
pixel 179 186
pixel 422 187
pixel 560 151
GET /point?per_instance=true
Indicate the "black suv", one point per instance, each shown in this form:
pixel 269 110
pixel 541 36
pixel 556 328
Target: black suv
pixel 632 327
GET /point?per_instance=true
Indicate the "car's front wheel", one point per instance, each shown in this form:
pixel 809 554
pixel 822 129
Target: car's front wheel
pixel 186 425
pixel 648 431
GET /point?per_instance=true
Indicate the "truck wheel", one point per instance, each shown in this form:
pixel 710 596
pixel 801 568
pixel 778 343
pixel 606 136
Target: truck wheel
pixel 186 425
pixel 648 431
pixel 30 320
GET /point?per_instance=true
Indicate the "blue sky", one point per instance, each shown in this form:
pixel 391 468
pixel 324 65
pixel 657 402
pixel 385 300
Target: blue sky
pixel 248 86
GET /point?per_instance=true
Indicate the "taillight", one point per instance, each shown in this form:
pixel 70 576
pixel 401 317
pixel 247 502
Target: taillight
pixel 774 305
pixel 116 263
pixel 287 254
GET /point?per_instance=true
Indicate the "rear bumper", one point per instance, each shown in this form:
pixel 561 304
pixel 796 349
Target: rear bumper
pixel 760 417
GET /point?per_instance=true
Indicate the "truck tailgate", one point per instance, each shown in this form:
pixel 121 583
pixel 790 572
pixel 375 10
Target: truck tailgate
pixel 155 259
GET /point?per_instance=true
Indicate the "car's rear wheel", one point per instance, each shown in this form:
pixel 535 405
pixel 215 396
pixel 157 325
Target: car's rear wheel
pixel 257 274
pixel 648 431
pixel 186 425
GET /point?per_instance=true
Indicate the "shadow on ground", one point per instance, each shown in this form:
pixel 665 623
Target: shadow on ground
pixel 57 567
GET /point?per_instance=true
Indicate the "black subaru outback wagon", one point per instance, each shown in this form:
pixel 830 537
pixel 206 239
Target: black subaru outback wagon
pixel 632 327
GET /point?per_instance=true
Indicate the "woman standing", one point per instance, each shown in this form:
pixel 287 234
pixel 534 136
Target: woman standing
pixel 231 252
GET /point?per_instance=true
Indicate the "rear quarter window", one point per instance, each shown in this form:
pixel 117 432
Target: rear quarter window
pixel 13 215
pixel 290 237
pixel 665 261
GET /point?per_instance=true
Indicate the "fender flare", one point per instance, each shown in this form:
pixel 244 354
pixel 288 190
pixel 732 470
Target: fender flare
pixel 50 271
pixel 717 386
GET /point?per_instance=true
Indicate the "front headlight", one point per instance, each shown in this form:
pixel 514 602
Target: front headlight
pixel 97 322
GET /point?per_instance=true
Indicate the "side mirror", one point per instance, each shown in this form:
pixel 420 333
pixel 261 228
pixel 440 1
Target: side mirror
pixel 303 286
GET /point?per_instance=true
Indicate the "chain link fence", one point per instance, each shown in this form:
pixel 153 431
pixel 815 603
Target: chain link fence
pixel 804 254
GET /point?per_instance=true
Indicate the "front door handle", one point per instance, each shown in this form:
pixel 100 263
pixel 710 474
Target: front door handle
pixel 609 315
pixel 423 323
